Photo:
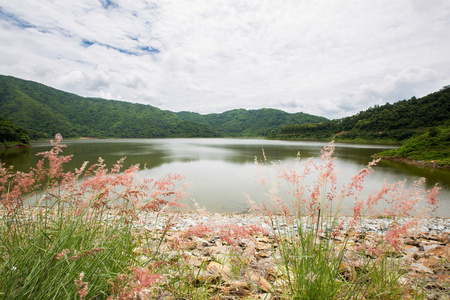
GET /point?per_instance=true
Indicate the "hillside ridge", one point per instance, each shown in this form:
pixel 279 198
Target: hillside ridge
pixel 44 111
pixel 389 123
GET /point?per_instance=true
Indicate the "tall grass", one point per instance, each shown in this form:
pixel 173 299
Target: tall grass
pixel 313 238
pixel 77 239
pixel 43 253
pixel 80 234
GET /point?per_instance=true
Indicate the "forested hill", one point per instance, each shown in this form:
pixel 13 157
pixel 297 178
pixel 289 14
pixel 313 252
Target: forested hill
pixel 12 135
pixel 250 123
pixel 44 111
pixel 386 123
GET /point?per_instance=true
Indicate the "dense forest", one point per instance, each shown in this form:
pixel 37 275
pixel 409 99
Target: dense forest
pixel 249 123
pixel 386 123
pixel 12 135
pixel 44 111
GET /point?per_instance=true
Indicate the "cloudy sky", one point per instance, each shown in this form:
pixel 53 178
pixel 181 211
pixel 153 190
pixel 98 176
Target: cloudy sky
pixel 331 58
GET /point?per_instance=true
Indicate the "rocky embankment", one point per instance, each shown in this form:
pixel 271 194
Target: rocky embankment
pixel 250 269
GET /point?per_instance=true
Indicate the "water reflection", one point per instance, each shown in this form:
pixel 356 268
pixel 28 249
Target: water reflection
pixel 433 175
pixel 18 156
pixel 222 170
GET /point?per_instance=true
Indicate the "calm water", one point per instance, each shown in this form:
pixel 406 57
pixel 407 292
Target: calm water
pixel 222 171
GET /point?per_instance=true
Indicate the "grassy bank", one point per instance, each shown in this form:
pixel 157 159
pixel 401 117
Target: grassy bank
pixel 95 233
pixel 431 148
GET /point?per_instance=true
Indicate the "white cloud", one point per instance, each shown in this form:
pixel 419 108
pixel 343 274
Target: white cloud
pixel 329 58
pixel 415 80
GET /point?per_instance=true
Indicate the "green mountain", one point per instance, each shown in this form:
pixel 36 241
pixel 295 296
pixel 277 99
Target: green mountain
pixel 250 123
pixel 44 111
pixel 12 135
pixel 386 123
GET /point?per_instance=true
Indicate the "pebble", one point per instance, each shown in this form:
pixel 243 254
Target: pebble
pixel 182 221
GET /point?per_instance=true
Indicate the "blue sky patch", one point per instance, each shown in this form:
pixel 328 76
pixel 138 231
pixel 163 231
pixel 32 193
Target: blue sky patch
pixel 108 4
pixel 150 49
pixel 87 43
pixel 15 20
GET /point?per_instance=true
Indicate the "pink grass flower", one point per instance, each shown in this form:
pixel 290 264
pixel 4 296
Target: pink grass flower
pixel 394 234
pixel 432 199
pixel 62 254
pixel 200 230
pixel 143 278
pixel 82 287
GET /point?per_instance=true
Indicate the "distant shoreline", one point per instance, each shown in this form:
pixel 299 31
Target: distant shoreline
pixel 419 163
pixel 88 138
pixel 3 146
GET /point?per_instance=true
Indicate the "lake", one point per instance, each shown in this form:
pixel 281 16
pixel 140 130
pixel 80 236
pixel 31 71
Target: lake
pixel 221 172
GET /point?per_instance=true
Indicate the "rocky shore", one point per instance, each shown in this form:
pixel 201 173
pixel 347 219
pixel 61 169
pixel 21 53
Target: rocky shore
pixel 183 220
pixel 419 163
pixel 250 269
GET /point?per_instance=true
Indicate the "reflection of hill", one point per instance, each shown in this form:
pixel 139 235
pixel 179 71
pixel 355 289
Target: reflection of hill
pixel 360 156
pixel 20 156
pixel 432 176
pixel 110 151
pixel 244 153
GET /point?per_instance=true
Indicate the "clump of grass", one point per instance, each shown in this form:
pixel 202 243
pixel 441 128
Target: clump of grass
pixel 43 255
pixel 313 248
pixel 78 239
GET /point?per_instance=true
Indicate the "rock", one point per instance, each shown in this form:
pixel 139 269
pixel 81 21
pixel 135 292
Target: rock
pixel 177 235
pixel 273 273
pixel 195 261
pixel 281 283
pixel 420 268
pixel 260 246
pixel 203 244
pixel 217 250
pixel 221 258
pixel 260 282
pixel 262 254
pixel 411 241
pixel 264 239
pixel 249 249
pixel 216 268
pixel 347 271
pixel 427 248
pixel 237 288
pixel 419 255
pixel 201 277
pixel 444 238
pixel 267 296
pixel 432 263
pixel 441 251
pixel 355 261
pixel 410 249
